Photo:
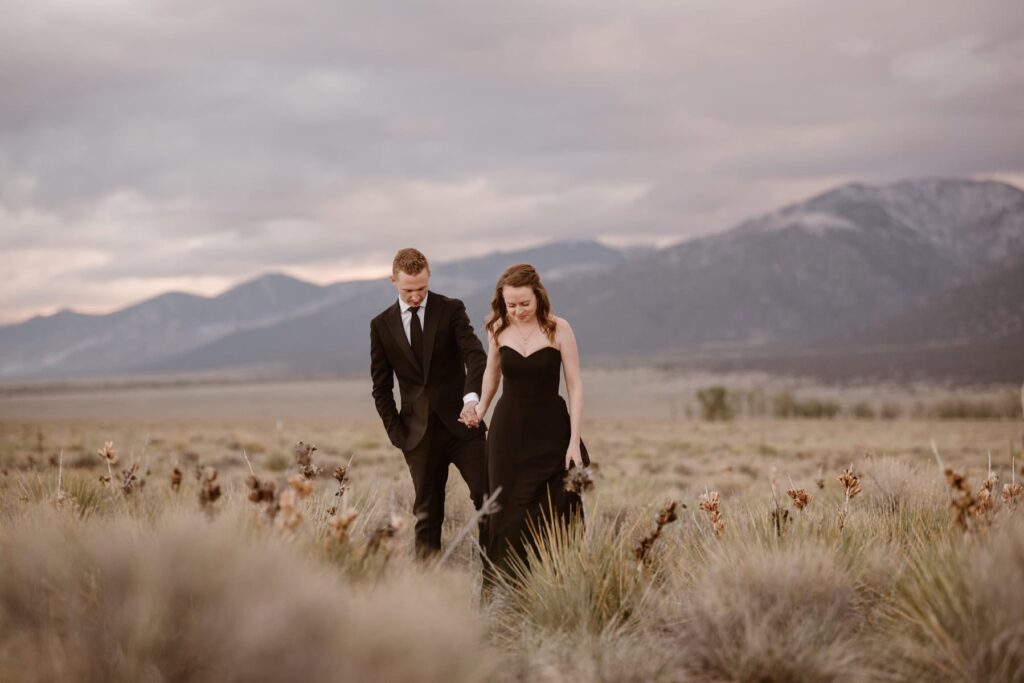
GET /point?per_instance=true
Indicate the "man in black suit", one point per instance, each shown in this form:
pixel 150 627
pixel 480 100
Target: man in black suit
pixel 427 341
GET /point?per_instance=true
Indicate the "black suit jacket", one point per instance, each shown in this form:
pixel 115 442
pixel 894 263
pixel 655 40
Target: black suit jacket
pixel 452 366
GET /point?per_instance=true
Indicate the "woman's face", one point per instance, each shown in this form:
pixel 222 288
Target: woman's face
pixel 520 302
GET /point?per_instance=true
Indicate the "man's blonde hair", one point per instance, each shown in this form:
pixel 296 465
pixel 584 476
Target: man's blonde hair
pixel 410 261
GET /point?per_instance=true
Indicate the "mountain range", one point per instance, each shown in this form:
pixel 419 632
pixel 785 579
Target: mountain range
pixel 920 278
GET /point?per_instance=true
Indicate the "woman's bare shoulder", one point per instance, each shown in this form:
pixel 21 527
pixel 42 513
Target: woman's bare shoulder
pixel 563 330
pixel 490 331
pixel 561 323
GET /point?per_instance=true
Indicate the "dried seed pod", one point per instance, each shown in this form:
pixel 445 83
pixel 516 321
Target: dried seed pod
pixel 259 492
pixel 337 525
pixel 850 482
pixel 666 515
pixel 384 532
pixel 107 453
pixel 963 505
pixel 129 479
pixel 801 498
pixel 1010 494
pixel 303 453
pixel 210 491
pixel 580 479
pixel 956 480
pixel 301 485
pixel 709 503
pixel 984 504
pixel 288 516
pixel 341 476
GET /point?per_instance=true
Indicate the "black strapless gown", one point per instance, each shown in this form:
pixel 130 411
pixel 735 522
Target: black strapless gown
pixel 526 443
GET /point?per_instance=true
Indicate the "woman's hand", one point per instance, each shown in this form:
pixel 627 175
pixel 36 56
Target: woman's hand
pixel 573 457
pixel 468 416
pixel 479 411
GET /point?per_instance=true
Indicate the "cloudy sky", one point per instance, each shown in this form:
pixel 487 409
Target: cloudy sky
pixel 186 144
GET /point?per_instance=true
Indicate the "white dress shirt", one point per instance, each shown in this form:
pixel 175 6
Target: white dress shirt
pixel 407 326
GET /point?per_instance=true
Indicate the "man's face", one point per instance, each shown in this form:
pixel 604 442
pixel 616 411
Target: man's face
pixel 412 289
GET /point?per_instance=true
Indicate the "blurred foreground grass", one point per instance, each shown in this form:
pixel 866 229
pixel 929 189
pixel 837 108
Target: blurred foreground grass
pixel 141 582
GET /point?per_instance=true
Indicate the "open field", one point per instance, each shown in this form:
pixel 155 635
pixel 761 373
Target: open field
pixel 135 581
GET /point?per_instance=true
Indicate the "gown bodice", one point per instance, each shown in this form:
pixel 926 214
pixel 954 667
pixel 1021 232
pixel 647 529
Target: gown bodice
pixel 535 376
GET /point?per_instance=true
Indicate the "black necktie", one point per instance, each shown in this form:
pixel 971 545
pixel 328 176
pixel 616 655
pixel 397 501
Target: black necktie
pixel 416 335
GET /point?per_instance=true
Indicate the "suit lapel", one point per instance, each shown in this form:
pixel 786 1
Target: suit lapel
pixel 433 314
pixel 394 320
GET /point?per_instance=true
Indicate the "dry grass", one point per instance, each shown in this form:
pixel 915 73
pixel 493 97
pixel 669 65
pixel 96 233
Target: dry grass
pixel 186 598
pixel 220 551
pixel 957 610
pixel 784 613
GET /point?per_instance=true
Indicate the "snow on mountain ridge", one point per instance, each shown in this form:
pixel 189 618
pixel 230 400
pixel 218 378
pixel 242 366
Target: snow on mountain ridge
pixel 968 219
pixel 813 222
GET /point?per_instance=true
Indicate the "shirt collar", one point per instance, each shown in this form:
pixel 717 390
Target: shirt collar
pixel 405 307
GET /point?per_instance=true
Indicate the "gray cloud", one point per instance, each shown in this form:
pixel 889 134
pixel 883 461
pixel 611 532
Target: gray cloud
pixel 153 145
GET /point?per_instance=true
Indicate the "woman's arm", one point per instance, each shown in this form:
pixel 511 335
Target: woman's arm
pixel 492 375
pixel 566 341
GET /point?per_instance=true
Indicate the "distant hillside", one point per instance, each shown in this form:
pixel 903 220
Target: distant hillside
pixel 918 278
pixel 810 270
pixel 273 323
pixel 971 331
pixel 988 306
pixel 70 344
pixel 998 361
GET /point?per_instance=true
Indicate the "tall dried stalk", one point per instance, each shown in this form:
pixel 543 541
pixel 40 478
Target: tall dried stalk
pixel 665 517
pixel 210 490
pixel 709 503
pixel 488 507
pixel 851 487
pixel 109 456
pixel 780 515
pixel 1013 490
pixel 58 497
pixel 341 476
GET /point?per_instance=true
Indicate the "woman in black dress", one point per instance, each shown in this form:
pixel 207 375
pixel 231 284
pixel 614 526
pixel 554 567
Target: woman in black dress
pixel 534 438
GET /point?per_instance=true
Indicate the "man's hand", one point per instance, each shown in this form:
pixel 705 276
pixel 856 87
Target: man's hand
pixel 469 415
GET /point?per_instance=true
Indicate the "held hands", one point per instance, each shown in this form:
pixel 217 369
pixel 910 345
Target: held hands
pixel 471 414
pixel 573 457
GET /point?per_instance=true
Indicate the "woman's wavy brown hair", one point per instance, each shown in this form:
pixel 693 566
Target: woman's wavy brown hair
pixel 521 275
